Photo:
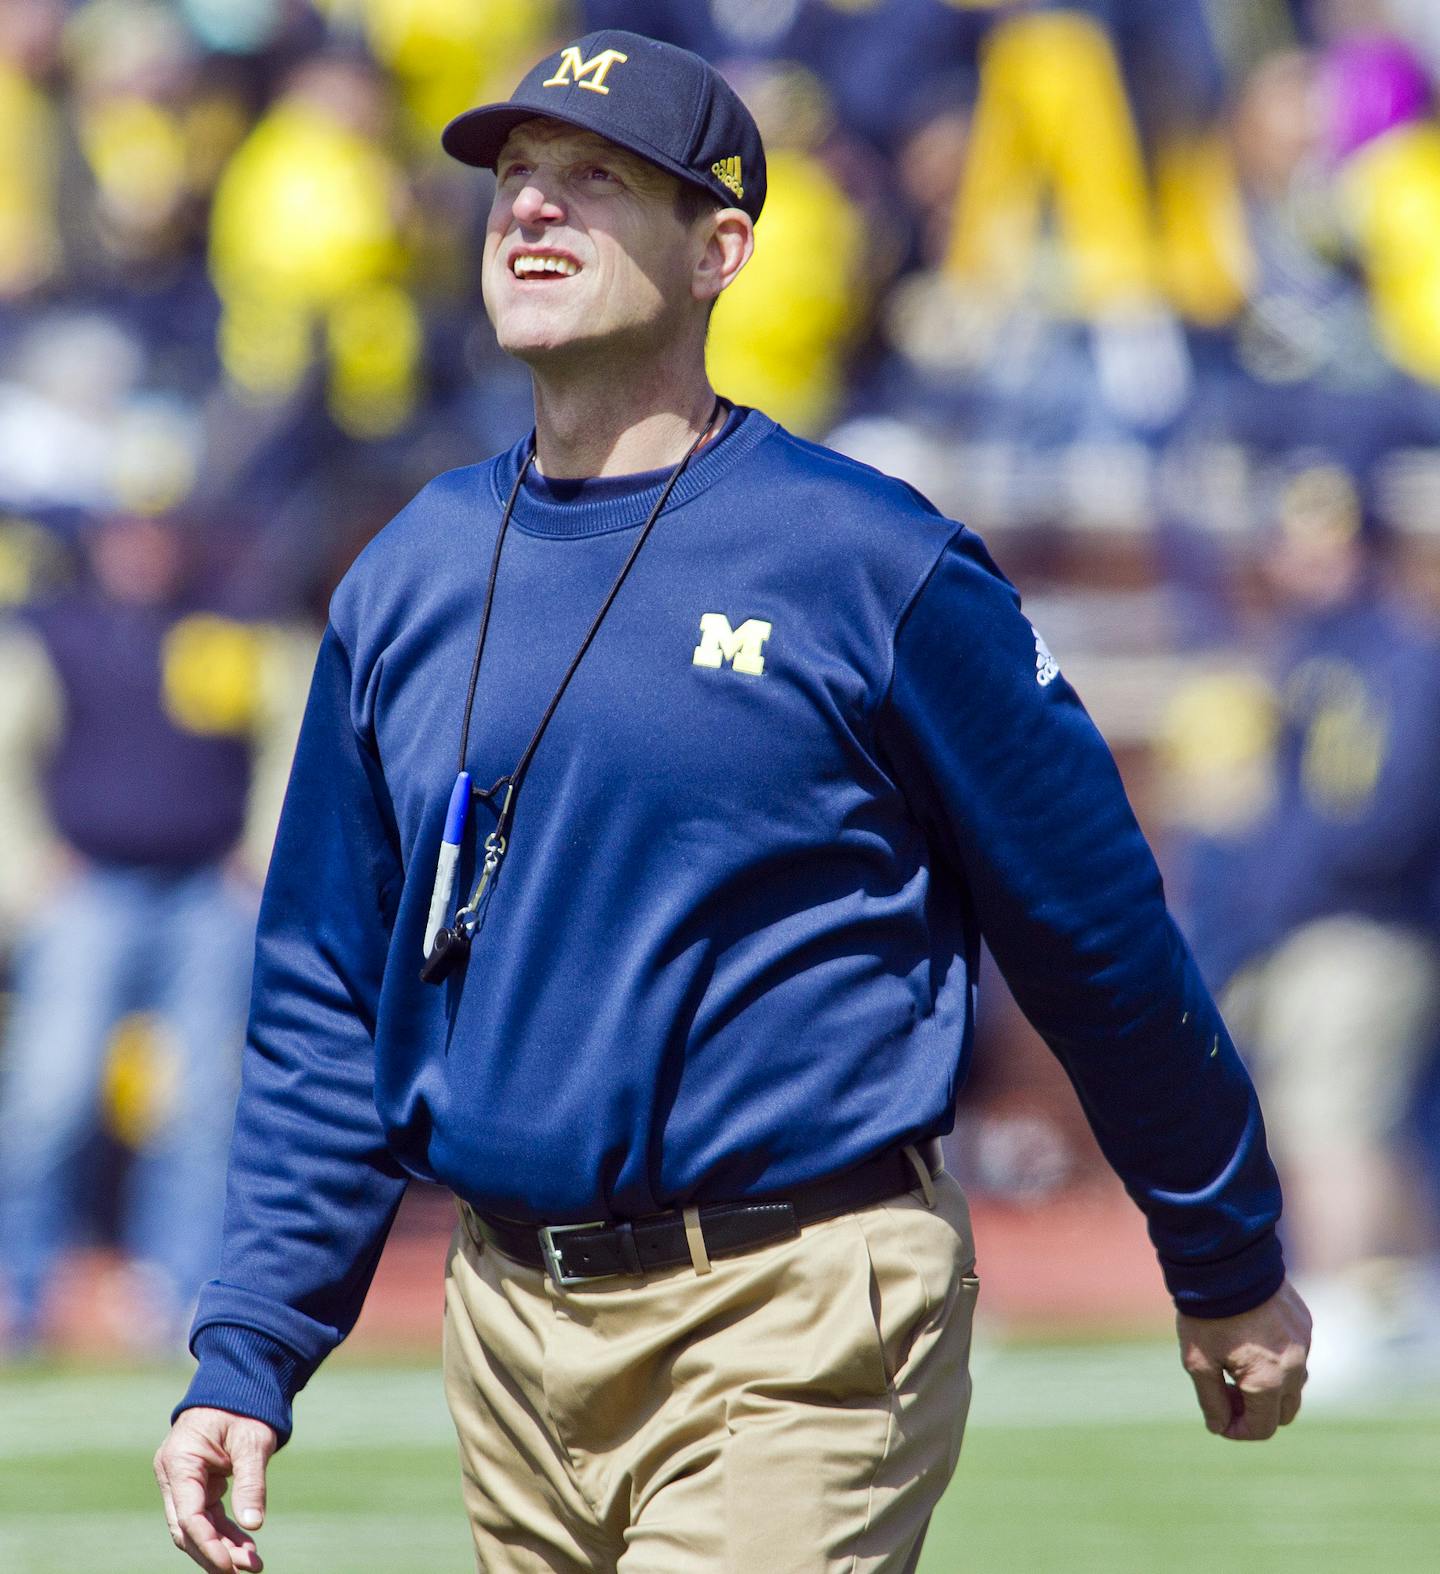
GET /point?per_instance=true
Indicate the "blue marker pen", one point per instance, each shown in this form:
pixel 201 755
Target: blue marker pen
pixel 449 859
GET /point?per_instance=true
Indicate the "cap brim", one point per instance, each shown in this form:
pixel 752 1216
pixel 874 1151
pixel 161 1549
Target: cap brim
pixel 477 136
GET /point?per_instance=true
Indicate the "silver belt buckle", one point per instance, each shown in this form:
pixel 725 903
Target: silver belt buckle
pixel 553 1265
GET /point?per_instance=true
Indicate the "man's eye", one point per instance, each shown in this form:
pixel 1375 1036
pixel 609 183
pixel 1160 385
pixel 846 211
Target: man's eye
pixel 600 173
pixel 515 171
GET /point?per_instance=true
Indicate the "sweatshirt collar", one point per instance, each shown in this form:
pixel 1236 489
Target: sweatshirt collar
pixel 590 507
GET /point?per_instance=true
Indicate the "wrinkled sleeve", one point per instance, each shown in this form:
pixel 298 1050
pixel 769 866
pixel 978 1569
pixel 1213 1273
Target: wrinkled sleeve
pixel 1017 791
pixel 312 1189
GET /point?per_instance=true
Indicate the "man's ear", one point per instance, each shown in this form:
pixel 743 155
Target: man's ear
pixel 728 246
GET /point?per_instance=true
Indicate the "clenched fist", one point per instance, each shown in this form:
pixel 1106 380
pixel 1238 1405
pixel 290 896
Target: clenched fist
pixel 1248 1370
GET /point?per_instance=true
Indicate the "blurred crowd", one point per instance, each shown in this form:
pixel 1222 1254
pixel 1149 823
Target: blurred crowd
pixel 1146 290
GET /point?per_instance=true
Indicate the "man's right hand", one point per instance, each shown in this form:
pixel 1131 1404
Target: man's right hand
pixel 193 1465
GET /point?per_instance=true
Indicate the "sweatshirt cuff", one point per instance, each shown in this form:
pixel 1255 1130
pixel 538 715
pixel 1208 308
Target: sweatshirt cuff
pixel 247 1372
pixel 1231 1285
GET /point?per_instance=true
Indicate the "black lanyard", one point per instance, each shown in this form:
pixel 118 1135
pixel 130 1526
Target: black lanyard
pixel 453 942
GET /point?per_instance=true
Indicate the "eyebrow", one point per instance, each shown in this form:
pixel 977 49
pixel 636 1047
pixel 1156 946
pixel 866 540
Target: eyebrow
pixel 586 148
pixel 596 148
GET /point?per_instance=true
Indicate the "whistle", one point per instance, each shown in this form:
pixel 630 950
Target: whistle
pixel 448 951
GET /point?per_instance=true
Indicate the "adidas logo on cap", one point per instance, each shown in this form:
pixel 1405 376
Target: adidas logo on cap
pixel 727 172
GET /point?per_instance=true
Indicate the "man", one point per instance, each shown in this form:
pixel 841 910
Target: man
pixel 712 984
pixel 131 755
pixel 1314 900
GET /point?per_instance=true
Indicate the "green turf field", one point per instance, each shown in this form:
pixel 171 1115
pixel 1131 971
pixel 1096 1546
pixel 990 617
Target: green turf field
pixel 1077 1459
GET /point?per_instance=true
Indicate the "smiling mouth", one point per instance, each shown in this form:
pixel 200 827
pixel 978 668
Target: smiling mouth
pixel 543 267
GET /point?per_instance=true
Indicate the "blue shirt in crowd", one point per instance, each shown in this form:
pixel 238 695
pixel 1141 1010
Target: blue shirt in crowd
pixel 129 782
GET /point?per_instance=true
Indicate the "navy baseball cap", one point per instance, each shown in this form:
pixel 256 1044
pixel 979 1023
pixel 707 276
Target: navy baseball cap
pixel 662 102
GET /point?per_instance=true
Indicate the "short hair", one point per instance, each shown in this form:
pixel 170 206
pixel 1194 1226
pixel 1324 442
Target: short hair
pixel 693 201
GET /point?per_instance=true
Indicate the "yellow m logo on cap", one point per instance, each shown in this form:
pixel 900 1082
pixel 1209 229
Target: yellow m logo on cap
pixel 741 647
pixel 575 70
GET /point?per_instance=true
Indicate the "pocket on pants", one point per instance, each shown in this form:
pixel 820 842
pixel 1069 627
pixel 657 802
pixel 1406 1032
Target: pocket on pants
pixel 808 1333
pixel 856 1358
pixel 921 1261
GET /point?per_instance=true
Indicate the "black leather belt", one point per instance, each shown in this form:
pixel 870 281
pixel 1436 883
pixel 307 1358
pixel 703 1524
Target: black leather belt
pixel 578 1253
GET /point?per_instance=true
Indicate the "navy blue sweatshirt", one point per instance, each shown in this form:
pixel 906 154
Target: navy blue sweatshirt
pixel 129 783
pixel 1356 824
pixel 1353 826
pixel 733 943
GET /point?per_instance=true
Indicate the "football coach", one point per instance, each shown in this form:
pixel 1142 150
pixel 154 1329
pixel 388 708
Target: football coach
pixel 659 780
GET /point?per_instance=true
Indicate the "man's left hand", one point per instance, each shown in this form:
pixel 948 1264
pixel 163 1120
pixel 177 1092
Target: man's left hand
pixel 1248 1370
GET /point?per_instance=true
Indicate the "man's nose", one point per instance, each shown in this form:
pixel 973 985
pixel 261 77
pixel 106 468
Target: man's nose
pixel 537 203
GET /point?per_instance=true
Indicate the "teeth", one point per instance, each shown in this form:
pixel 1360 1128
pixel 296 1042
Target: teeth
pixel 527 264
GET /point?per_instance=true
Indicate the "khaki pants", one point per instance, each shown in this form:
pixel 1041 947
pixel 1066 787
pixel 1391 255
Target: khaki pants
pixel 1337 1023
pixel 798 1408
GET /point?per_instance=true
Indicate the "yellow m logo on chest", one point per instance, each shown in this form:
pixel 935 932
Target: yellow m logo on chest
pixel 575 71
pixel 741 647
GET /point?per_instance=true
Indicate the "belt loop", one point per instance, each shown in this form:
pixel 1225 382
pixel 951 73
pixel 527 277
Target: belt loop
pixel 695 1240
pixel 629 1252
pixel 467 1223
pixel 922 1173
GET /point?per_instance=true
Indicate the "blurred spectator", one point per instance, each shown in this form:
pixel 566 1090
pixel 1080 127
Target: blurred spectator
pixel 241 27
pixel 1304 312
pixel 29 234
pixel 130 67
pixel 447 57
pixel 153 123
pixel 307 243
pixel 780 334
pixel 1308 790
pixel 1381 133
pixel 31 561
pixel 128 747
pixel 70 378
pixel 930 153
